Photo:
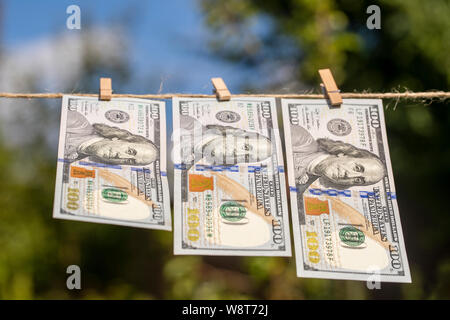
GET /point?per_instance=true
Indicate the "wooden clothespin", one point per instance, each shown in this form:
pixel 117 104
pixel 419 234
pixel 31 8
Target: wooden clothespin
pixel 221 90
pixel 105 89
pixel 330 88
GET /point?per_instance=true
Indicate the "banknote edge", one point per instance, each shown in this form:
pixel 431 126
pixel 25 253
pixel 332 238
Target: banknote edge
pixel 59 170
pixel 177 249
pixel 296 231
pixel 359 277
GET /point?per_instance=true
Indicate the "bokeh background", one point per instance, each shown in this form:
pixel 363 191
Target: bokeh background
pixel 177 46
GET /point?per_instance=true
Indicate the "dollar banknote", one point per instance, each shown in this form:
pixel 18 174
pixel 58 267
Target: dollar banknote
pixel 112 163
pixel 229 188
pixel 343 202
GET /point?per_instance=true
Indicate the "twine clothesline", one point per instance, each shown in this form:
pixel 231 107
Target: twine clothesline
pixel 346 95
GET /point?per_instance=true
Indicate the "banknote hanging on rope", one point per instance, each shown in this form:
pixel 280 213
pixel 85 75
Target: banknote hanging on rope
pixel 345 216
pixel 229 186
pixel 112 163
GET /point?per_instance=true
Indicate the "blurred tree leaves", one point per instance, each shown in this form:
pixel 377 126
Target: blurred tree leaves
pixel 312 34
pixel 285 42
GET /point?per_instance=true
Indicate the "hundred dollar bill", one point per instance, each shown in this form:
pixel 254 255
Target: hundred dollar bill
pixel 112 163
pixel 230 193
pixel 343 202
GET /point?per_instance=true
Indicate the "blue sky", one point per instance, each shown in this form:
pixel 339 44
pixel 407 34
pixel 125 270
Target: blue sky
pixel 168 40
pixel 166 37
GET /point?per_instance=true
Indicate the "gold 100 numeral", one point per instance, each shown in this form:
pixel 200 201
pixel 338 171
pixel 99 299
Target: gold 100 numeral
pixel 193 221
pixel 72 198
pixel 313 245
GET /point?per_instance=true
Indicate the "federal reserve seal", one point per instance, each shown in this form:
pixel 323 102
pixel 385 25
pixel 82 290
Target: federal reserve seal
pixel 339 127
pixel 117 116
pixel 228 116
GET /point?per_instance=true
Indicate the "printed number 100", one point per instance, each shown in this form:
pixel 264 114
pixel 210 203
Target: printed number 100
pixel 72 198
pixel 313 245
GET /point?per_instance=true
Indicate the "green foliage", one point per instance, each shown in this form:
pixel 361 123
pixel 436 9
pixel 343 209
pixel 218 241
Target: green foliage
pixel 411 50
pixel 309 35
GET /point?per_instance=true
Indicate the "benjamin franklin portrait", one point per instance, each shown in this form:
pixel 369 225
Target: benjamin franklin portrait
pixel 220 145
pixel 337 164
pixel 105 144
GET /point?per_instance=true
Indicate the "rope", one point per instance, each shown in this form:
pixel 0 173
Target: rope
pixel 388 95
